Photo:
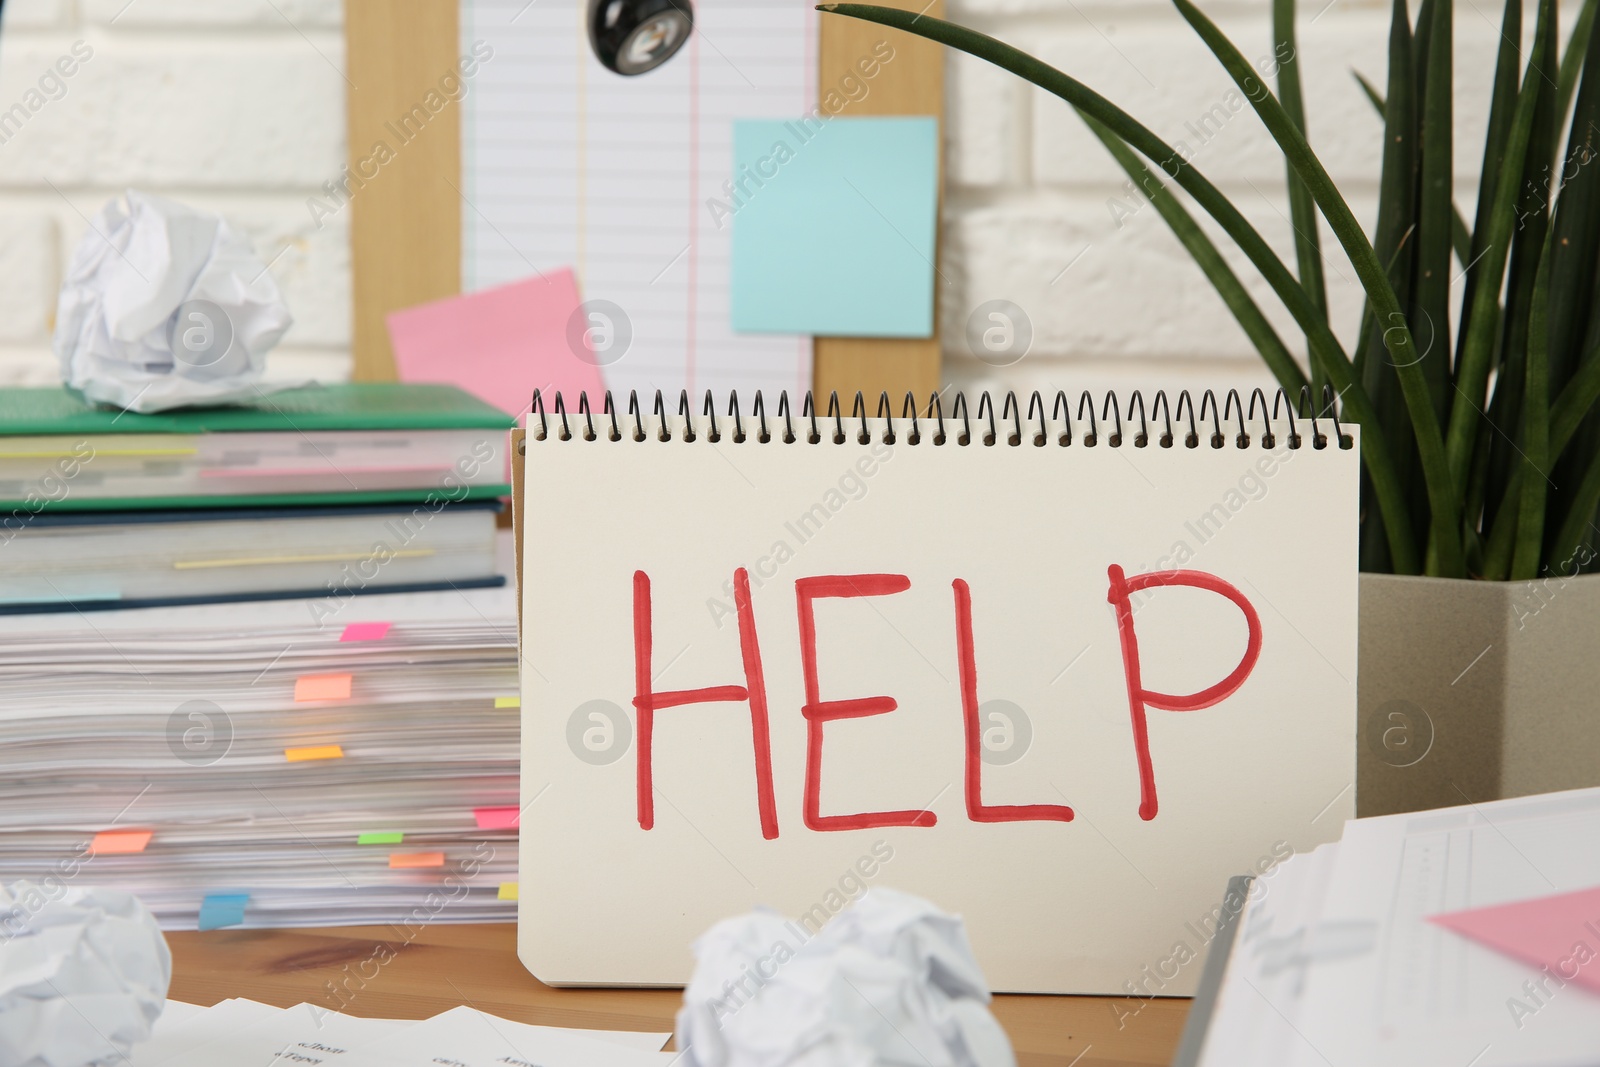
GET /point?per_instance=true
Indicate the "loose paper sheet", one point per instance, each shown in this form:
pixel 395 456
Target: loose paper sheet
pixel 466 1037
pixel 499 344
pixel 569 165
pixel 1086 906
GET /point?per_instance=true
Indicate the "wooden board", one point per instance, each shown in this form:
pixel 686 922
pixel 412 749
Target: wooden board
pixel 439 966
pixel 405 222
pixel 913 84
pixel 405 237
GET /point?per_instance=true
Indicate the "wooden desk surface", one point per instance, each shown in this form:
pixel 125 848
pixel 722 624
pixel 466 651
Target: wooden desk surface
pixel 444 965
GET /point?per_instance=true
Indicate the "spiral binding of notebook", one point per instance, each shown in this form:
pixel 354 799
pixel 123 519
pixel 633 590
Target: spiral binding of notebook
pixel 1015 424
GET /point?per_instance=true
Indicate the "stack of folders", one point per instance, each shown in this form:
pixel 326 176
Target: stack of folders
pixel 285 763
pixel 363 488
pixel 244 1033
pixel 258 664
pixel 1467 935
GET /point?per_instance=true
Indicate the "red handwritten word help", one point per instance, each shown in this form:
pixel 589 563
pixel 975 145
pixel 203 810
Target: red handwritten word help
pixel 819 712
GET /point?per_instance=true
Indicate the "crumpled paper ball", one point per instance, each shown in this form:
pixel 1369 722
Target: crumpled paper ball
pixel 83 975
pixel 164 306
pixel 890 980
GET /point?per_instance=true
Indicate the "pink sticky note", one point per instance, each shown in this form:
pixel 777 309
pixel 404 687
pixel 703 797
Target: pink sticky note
pixel 1561 933
pixel 496 818
pixel 365 631
pixel 501 344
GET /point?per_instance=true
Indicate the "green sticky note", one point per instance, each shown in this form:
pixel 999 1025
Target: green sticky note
pixel 384 837
pixel 833 225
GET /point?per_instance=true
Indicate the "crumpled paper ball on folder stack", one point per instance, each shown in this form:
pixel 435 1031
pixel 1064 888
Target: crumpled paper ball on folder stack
pixel 890 981
pixel 163 306
pixel 83 975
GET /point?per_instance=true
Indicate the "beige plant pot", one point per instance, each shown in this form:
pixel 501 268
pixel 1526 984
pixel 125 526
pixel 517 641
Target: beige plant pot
pixel 1472 691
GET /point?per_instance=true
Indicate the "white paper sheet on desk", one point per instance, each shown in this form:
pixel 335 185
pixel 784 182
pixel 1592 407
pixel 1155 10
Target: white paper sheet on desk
pixel 305 1033
pixel 568 164
pixel 213 1024
pixel 466 1037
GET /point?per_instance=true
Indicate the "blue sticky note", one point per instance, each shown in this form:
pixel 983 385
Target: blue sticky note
pixel 834 221
pixel 222 909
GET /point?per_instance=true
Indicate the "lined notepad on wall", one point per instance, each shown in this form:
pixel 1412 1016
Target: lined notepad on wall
pixel 566 164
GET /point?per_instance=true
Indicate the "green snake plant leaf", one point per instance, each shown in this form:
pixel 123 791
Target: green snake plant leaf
pixel 1430 320
pixel 1445 544
pixel 1527 247
pixel 1302 209
pixel 1535 429
pixel 1575 233
pixel 1255 325
pixel 1394 240
pixel 1324 346
pixel 1577 46
pixel 1572 406
pixel 1502 107
pixel 1481 319
pixel 1460 235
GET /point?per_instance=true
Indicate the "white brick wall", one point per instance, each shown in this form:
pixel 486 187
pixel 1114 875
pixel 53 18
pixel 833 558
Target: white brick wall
pixel 238 106
pixel 1028 186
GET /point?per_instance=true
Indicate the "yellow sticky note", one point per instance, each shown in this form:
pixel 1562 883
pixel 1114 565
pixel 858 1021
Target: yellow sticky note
pixel 119 842
pixel 508 891
pixel 322 687
pixel 508 702
pixel 310 752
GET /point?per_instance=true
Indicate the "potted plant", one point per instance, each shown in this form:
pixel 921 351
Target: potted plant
pixel 1480 621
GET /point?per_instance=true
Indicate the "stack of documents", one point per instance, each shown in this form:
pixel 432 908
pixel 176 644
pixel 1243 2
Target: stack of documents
pixel 358 488
pixel 333 760
pixel 244 1033
pixel 1466 935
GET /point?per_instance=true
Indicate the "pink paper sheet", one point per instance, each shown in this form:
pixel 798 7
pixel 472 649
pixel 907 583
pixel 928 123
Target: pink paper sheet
pixel 500 344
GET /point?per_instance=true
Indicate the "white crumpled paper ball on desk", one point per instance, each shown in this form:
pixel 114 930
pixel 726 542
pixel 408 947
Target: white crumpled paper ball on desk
pixel 83 975
pixel 889 981
pixel 164 306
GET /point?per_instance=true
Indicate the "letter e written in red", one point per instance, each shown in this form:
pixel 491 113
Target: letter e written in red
pixel 818 711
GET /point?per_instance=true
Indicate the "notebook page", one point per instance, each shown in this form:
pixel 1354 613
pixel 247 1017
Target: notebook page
pixel 568 164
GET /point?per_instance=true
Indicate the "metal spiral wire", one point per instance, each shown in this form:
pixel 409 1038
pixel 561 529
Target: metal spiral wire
pixel 914 423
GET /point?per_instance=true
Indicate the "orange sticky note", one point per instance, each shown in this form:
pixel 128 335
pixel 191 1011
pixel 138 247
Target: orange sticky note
pixel 414 860
pixel 322 687
pixel 310 752
pixel 119 842
pixel 496 818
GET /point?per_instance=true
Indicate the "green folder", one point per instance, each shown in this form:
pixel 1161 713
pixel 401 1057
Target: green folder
pixel 52 410
pixel 37 473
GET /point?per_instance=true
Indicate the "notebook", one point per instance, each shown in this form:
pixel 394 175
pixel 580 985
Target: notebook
pixel 351 443
pixel 1060 665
